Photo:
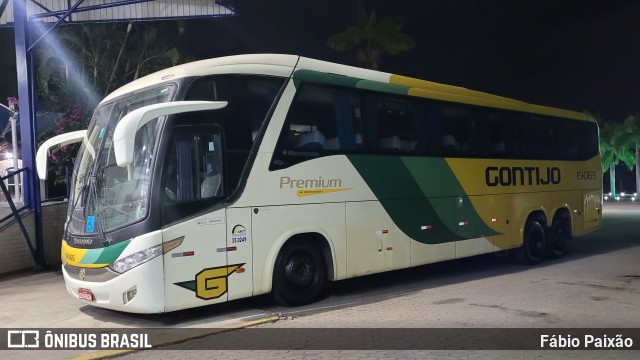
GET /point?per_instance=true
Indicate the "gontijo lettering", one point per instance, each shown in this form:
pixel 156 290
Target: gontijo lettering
pixel 515 175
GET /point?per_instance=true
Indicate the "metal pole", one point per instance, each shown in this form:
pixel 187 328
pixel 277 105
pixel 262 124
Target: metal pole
pixel 14 141
pixel 26 96
pixel 13 118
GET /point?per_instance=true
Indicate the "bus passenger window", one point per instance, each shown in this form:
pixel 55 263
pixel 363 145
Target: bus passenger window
pixel 497 144
pixel 396 130
pixel 322 121
pixel 456 123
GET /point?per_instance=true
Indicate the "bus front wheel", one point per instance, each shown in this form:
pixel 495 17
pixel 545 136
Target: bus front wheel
pixel 299 275
pixel 533 247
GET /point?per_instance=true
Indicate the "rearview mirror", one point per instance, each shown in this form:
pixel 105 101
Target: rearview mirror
pixel 125 133
pixel 60 140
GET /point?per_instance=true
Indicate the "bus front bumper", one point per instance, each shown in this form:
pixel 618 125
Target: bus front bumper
pixel 139 290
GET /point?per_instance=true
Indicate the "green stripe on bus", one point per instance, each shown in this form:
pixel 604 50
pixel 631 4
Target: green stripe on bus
pixel 323 78
pixel 383 87
pixel 402 199
pixel 440 185
pixel 189 285
pixel 347 81
pixel 407 188
pixel 111 253
pixel 91 256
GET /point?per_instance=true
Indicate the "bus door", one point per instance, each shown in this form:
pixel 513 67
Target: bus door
pixel 192 191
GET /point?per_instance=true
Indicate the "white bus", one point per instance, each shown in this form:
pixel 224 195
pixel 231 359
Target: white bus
pixel 244 175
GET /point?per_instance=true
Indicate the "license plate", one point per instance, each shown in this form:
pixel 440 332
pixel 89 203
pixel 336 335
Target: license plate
pixel 85 294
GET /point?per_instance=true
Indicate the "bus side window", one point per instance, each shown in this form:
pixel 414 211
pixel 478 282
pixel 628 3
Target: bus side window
pixel 514 135
pixel 420 125
pixel 434 128
pixel 533 140
pixel 455 140
pixel 322 121
pixel 396 126
pixel 192 176
pixel 497 140
pixel 587 140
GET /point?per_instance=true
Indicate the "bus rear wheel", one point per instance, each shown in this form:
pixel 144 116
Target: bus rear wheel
pixel 558 239
pixel 299 275
pixel 533 247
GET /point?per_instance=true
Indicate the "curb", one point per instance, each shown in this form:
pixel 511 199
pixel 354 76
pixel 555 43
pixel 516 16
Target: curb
pixel 108 354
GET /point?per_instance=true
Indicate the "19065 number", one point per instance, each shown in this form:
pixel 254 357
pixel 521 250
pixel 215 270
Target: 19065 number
pixel 586 175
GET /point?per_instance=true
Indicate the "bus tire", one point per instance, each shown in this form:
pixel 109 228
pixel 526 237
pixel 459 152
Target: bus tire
pixel 558 239
pixel 299 275
pixel 533 246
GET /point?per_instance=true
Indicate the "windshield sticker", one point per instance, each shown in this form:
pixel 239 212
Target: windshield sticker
pixel 91 224
pixel 101 133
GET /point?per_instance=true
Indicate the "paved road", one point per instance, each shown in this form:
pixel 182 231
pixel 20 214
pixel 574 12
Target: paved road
pixel 597 285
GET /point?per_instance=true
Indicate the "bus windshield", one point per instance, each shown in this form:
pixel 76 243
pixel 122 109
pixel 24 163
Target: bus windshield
pixel 105 196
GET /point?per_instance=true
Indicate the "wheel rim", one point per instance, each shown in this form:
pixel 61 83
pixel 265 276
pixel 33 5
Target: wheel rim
pixel 536 244
pixel 559 239
pixel 299 270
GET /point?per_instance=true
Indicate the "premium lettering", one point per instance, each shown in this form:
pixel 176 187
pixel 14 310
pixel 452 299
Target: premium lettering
pixel 319 183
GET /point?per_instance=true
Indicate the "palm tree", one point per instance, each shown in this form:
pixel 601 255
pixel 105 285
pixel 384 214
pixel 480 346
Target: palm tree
pixel 372 38
pixel 632 126
pixel 617 144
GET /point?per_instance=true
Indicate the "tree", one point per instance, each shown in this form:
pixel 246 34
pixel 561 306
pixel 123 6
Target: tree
pixel 107 61
pixel 372 38
pixel 617 144
pixel 64 157
pixel 632 126
pixel 81 63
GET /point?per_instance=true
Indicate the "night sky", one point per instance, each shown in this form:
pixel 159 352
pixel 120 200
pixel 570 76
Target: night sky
pixel 579 55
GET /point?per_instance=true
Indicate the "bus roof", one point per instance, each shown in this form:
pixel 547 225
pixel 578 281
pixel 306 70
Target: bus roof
pixel 323 71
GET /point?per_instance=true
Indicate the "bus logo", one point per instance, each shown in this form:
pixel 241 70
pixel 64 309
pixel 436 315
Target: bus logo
pixel 515 175
pixel 22 339
pixel 211 283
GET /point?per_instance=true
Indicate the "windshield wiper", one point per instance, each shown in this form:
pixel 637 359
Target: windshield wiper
pixel 91 206
pixel 88 199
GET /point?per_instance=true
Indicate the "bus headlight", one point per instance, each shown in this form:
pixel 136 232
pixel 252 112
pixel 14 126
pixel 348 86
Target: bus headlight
pixel 133 260
pixel 127 263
